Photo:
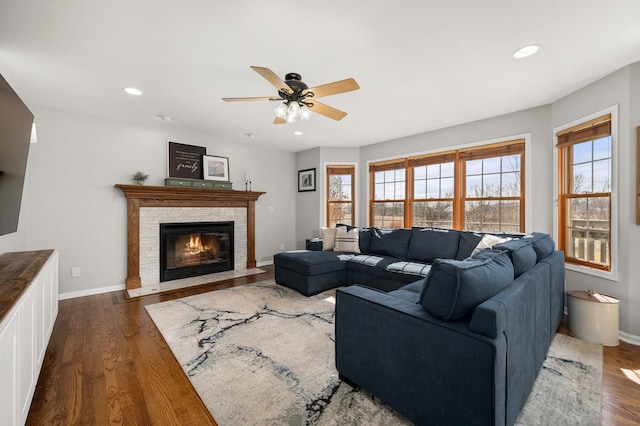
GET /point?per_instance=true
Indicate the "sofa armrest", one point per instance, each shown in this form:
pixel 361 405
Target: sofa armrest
pixel 421 366
pixel 489 318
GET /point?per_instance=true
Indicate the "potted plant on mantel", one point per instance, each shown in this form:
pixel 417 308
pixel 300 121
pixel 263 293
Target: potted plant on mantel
pixel 139 177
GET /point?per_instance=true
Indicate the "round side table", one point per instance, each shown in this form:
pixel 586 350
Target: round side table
pixel 593 317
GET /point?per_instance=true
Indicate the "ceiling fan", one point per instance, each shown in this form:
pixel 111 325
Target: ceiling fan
pixel 298 99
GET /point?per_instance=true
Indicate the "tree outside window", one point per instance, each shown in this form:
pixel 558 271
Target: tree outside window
pixel 479 188
pixel 340 195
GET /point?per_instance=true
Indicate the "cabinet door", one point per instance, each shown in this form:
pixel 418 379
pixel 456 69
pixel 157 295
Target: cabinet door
pixel 26 352
pixel 9 370
pixel 40 340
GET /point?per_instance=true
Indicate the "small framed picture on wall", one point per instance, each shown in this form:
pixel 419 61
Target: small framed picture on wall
pixel 307 180
pixel 215 168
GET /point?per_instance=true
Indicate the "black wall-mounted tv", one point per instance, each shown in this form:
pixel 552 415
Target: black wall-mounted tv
pixel 15 137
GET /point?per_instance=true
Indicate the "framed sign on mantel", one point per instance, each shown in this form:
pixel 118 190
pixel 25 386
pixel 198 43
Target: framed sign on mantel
pixel 185 161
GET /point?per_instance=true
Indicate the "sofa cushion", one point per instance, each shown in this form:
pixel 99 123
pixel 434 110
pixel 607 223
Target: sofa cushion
pixel 328 236
pixel 521 253
pixel 370 264
pixel 542 243
pixel 454 288
pixel 466 245
pixel 412 268
pixel 390 242
pixel 426 245
pixel 347 240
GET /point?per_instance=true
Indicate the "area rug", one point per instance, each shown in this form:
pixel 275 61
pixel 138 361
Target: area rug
pixel 263 354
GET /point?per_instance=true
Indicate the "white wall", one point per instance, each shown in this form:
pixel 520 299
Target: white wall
pixel 310 206
pixel 72 205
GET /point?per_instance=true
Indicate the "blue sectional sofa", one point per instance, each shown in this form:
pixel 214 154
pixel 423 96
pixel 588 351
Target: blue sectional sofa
pixel 443 333
pixel 384 259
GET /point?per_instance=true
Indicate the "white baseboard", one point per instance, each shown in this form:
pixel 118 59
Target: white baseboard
pixel 91 292
pixel 630 338
pixel 264 263
pixel 94 291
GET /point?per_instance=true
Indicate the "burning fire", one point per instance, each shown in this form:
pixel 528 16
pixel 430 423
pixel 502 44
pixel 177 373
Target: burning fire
pixel 195 246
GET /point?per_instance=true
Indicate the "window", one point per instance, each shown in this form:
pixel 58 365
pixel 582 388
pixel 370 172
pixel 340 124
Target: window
pixel 433 191
pixel 478 188
pixel 493 198
pixel 584 204
pixel 389 194
pixel 340 195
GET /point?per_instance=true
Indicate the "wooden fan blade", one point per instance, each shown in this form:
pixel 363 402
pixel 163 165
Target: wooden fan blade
pixel 326 110
pixel 259 98
pixel 272 78
pixel 334 88
pixel 279 120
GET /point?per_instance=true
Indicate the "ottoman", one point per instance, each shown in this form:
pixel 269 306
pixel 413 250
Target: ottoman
pixel 311 272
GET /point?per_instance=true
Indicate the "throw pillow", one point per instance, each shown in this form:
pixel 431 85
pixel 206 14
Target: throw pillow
pixel 328 236
pixel 364 238
pixel 488 241
pixel 347 240
pixel 453 288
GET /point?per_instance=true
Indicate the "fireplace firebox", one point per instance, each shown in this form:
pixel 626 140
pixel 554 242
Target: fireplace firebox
pixel 196 248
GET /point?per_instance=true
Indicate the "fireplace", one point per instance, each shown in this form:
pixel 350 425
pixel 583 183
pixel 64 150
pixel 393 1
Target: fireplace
pixel 196 248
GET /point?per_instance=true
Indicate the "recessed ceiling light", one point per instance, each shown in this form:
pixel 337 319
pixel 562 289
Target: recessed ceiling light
pixel 298 133
pixel 526 51
pixel 133 91
pixel 163 117
pixel 249 135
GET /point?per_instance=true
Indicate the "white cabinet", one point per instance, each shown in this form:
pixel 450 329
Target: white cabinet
pixel 24 333
pixel 9 371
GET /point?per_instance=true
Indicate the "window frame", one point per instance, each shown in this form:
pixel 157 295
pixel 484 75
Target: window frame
pixel 559 168
pixel 495 147
pixel 327 169
pixel 431 160
pixel 398 164
pixel 512 147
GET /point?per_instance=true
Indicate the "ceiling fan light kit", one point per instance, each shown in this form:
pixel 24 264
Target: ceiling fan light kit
pixel 296 96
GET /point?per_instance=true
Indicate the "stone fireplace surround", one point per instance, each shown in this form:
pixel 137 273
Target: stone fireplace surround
pixel 147 206
pixel 152 217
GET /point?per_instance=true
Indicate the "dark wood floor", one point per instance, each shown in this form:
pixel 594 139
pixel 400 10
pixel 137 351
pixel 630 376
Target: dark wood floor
pixel 107 364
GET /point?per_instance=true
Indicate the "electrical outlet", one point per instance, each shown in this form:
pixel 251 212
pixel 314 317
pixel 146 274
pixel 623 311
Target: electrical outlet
pixel 75 272
pixel 281 246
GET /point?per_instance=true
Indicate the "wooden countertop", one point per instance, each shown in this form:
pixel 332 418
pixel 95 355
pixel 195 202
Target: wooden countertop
pixel 17 271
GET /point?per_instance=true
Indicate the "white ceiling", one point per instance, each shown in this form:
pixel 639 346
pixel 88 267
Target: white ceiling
pixel 421 65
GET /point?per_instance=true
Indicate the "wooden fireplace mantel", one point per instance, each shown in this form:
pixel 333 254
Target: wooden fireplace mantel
pixel 166 196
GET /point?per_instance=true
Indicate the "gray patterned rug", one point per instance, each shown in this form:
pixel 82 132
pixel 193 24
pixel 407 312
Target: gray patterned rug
pixel 263 354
